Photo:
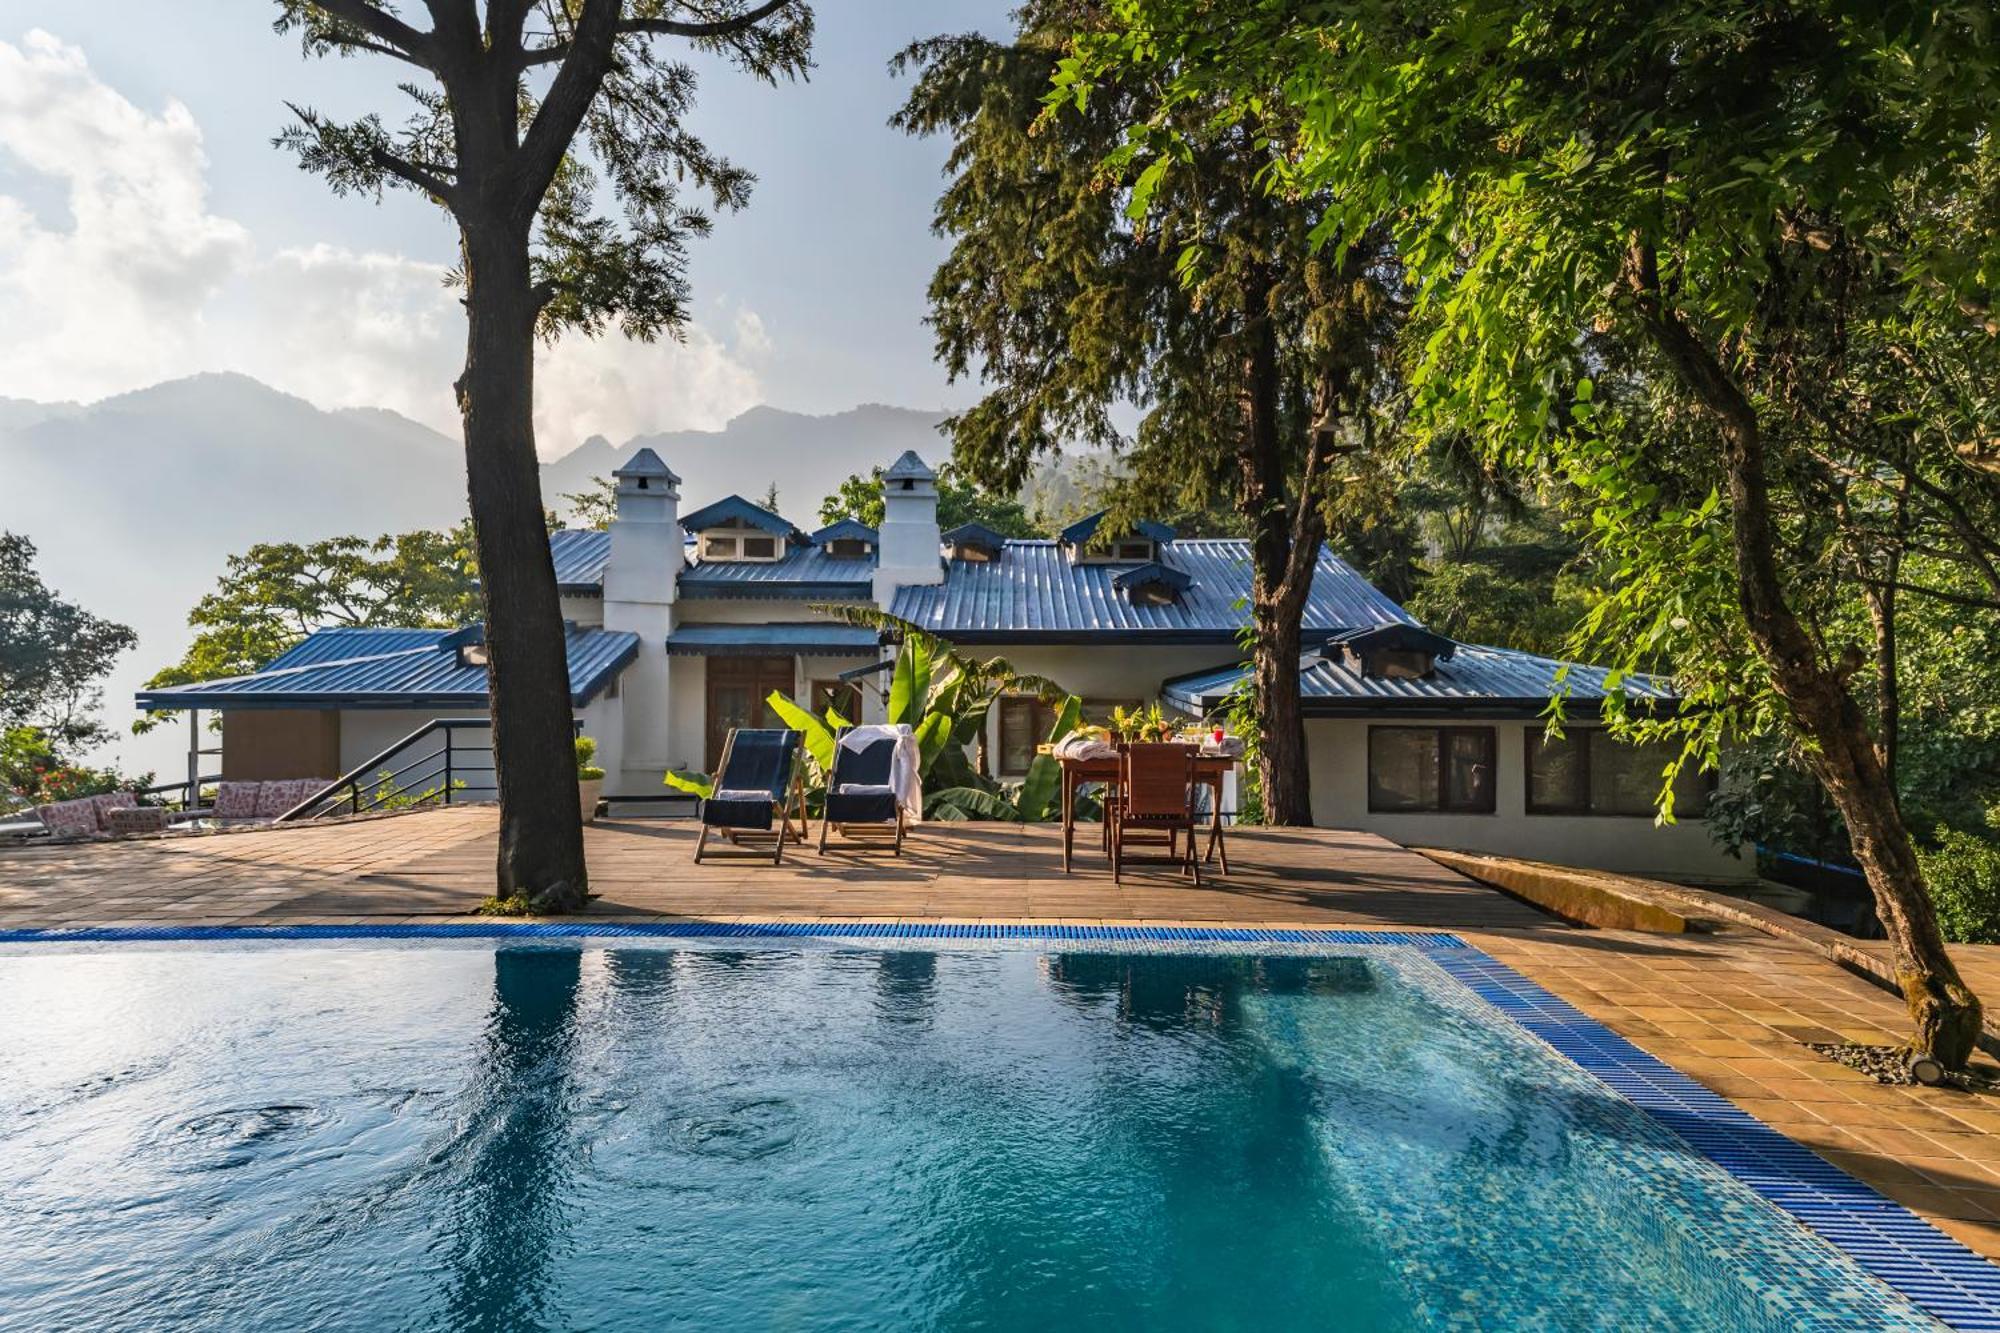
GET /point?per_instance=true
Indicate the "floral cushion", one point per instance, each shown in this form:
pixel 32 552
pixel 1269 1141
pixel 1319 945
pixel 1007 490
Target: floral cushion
pixel 236 800
pixel 275 798
pixel 69 819
pixel 109 801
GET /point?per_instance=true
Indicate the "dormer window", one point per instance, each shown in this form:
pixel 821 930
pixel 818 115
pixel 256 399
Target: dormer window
pixel 735 529
pixel 737 540
pixel 1391 652
pixel 1085 542
pixel 973 544
pixel 1152 584
pixel 848 539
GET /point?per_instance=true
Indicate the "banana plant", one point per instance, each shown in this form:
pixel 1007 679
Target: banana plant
pixel 1036 799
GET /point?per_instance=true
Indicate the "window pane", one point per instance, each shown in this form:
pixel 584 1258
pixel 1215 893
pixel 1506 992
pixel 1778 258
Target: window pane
pixel 1555 773
pixel 1402 768
pixel 1468 758
pixel 1018 737
pixel 718 546
pixel 761 547
pixel 1624 779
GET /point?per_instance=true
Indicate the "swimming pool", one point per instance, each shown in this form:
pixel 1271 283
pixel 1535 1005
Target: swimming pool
pixel 812 1134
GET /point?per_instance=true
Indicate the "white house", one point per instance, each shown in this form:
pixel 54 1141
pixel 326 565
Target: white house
pixel 682 624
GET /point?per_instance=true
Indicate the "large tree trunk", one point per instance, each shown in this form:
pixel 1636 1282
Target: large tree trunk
pixel 541 833
pixel 1844 757
pixel 1276 603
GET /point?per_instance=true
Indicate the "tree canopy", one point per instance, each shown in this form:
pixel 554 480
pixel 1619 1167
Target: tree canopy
pixel 1254 361
pixel 54 654
pixel 272 596
pixel 1724 267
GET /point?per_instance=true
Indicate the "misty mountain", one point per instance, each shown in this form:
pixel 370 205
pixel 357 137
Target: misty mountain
pixel 805 456
pixel 136 501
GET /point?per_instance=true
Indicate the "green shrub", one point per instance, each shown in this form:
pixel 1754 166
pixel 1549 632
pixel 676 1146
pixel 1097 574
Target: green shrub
pixel 586 750
pixel 1964 874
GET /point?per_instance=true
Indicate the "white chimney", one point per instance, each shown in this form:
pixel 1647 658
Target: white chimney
pixel 909 551
pixel 641 578
pixel 646 544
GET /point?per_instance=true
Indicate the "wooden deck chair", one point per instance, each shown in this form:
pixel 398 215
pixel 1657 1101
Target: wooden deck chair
pixel 757 785
pixel 1155 807
pixel 861 804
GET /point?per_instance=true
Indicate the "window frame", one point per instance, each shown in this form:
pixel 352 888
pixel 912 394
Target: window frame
pixel 1442 737
pixel 1531 746
pixel 1042 716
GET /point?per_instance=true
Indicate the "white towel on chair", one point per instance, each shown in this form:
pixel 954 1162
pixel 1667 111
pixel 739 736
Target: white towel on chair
pixel 905 766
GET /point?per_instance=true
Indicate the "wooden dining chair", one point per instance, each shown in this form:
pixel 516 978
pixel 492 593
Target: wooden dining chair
pixel 1155 807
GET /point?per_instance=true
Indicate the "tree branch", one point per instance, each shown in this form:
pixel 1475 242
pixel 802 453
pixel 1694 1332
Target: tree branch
pixel 713 28
pixel 410 173
pixel 404 41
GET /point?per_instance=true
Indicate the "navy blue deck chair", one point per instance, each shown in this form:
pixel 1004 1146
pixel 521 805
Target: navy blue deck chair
pixel 860 803
pixel 759 802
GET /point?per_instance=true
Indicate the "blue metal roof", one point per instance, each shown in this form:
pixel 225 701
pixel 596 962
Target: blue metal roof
pixel 847 529
pixel 1477 678
pixel 345 641
pixel 811 639
pixel 426 675
pixel 580 555
pixel 1394 638
pixel 736 507
pixel 808 572
pixel 1033 591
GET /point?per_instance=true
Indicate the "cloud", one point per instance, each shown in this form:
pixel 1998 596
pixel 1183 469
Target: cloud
pixel 134 280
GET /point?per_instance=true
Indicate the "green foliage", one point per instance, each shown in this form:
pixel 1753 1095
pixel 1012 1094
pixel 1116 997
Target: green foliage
pixel 694 784
pixel 53 653
pixel 601 179
pixel 35 771
pixel 586 751
pixel 1627 227
pixel 1963 870
pixel 960 501
pixel 592 508
pixel 275 594
pixel 1036 799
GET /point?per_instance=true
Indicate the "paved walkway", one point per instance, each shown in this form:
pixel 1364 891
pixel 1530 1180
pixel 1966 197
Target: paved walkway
pixel 1729 1009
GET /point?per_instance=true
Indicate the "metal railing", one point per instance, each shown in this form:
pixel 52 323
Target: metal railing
pixel 433 765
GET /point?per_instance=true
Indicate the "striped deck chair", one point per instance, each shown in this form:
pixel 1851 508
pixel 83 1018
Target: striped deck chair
pixel 758 785
pixel 860 802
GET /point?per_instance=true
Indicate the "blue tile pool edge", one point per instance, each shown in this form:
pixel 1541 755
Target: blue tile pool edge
pixel 1885 1239
pixel 1903 1251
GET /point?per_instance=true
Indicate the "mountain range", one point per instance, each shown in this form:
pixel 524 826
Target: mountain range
pixel 135 501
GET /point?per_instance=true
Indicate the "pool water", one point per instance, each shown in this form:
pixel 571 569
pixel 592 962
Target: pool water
pixel 840 1138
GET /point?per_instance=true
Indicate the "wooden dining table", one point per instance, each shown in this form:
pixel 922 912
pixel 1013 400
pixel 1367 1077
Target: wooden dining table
pixel 1209 770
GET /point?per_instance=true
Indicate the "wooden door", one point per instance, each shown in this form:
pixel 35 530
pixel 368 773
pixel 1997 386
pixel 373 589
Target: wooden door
pixel 737 689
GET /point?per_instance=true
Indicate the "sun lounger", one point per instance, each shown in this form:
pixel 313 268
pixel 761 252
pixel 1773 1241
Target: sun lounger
pixel 861 799
pixel 759 792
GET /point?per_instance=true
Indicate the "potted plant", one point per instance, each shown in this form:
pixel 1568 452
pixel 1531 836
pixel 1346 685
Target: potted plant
pixel 589 778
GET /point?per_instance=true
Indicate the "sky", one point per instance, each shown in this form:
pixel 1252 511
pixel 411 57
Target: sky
pixel 149 230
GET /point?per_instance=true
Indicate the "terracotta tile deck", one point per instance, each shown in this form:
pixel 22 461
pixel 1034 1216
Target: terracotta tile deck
pixel 1729 1008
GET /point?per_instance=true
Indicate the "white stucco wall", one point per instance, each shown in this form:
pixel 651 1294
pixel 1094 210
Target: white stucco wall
pixel 365 732
pixel 1337 758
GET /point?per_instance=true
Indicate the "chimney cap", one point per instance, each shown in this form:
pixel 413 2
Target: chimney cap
pixel 647 464
pixel 909 468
